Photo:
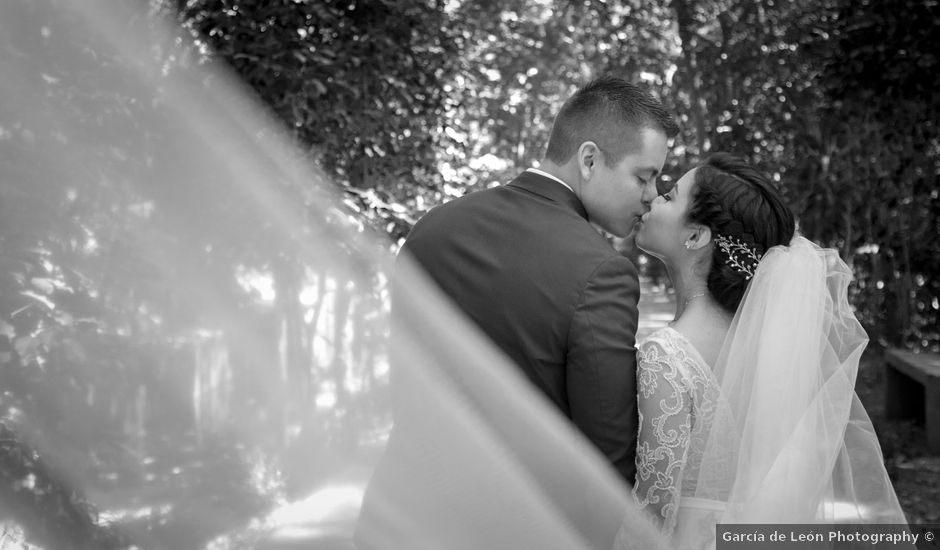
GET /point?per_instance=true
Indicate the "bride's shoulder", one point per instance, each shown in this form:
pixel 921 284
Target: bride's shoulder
pixel 660 340
pixel 669 345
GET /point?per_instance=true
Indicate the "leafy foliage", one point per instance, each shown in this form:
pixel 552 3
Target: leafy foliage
pixel 359 84
pixel 882 158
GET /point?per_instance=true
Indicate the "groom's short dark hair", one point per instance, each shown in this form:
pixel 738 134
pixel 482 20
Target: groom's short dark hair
pixel 609 111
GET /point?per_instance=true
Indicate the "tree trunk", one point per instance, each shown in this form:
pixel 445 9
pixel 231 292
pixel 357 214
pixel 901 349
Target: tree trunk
pixel 691 80
pixel 342 362
pixel 288 280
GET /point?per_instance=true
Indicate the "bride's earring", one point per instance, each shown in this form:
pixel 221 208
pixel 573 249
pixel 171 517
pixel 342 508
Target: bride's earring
pixel 688 245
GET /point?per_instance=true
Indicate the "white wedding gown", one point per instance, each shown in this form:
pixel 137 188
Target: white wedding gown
pixel 678 402
pixel 773 432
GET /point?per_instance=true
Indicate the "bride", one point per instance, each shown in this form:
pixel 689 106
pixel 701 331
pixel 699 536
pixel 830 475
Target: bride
pixel 747 406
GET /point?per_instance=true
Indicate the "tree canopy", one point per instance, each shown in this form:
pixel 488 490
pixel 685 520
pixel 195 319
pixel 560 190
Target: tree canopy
pixel 408 103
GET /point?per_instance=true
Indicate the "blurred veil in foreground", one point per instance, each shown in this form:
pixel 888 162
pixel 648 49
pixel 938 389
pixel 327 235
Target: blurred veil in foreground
pixel 195 328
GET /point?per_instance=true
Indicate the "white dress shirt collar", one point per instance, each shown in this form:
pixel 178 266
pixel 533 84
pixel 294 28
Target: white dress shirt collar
pixel 549 176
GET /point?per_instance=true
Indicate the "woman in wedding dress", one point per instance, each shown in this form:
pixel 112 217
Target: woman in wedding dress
pixel 747 405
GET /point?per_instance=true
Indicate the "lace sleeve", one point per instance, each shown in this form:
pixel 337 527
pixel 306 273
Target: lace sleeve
pixel 665 405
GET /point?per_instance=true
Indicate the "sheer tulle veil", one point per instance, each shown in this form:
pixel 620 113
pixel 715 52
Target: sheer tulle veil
pixel 194 407
pixel 801 447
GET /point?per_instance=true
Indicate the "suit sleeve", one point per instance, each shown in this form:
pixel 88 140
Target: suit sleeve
pixel 601 363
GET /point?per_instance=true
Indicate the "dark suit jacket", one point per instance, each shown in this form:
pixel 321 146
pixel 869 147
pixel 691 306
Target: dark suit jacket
pixel 523 262
pixel 525 265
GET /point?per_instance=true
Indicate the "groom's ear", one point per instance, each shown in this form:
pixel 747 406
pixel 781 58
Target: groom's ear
pixel 699 238
pixel 588 157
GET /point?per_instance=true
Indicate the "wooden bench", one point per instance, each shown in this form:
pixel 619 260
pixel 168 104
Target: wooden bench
pixel 912 389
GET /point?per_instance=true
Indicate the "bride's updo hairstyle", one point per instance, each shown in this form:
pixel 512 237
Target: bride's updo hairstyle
pixel 747 217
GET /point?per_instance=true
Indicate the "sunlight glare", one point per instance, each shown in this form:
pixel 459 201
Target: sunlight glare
pixel 307 518
pixel 258 283
pixel 326 400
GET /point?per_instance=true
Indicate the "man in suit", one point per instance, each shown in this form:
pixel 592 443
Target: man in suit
pixel 526 263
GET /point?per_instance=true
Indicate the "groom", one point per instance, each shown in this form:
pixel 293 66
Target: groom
pixel 526 263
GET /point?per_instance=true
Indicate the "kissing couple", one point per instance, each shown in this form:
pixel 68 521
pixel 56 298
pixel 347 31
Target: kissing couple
pixel 742 410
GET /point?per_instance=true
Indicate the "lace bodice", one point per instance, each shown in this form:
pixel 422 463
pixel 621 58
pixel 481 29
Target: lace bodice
pixel 677 396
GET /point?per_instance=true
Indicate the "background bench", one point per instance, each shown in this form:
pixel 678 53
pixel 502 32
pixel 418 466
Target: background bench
pixel 912 389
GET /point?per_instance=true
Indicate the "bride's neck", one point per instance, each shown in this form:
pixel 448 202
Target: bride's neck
pixel 688 285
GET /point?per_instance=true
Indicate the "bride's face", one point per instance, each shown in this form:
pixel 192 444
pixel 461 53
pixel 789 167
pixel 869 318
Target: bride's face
pixel 663 230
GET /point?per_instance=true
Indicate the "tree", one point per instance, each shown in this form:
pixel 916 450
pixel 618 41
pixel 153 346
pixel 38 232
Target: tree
pixel 880 157
pixel 361 85
pixel 814 93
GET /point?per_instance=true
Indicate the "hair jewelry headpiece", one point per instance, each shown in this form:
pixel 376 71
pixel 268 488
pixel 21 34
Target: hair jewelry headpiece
pixel 741 257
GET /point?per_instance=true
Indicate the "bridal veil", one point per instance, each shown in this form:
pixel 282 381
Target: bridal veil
pixel 791 441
